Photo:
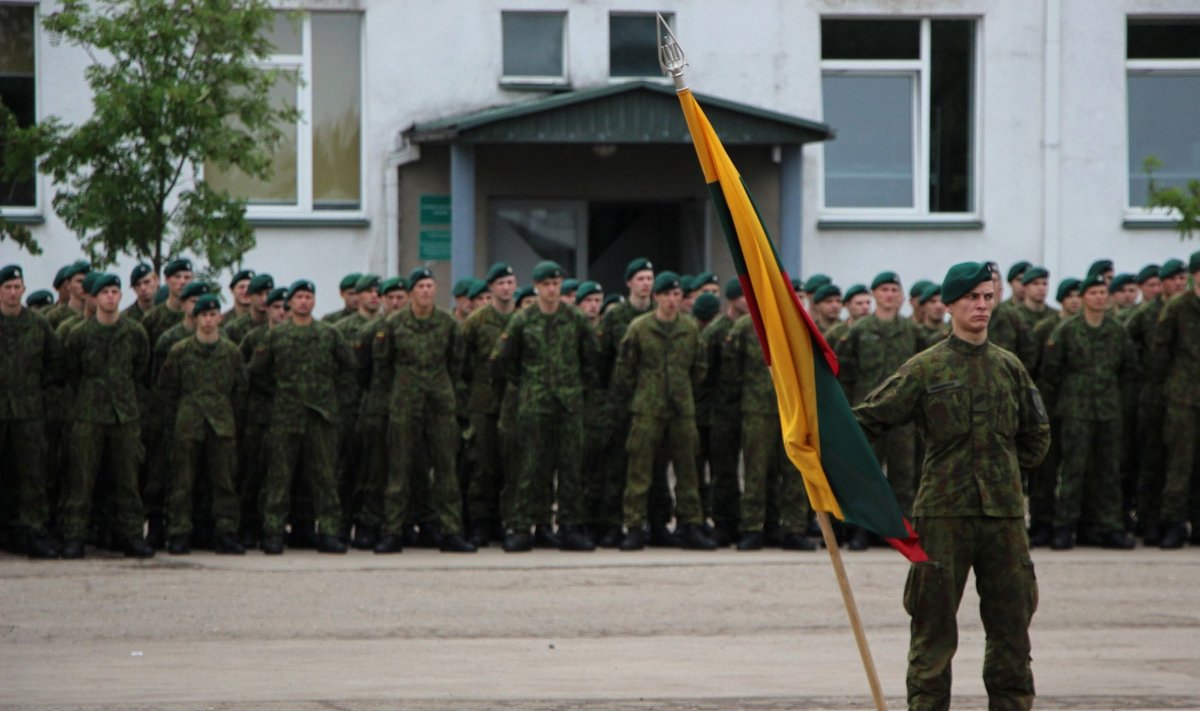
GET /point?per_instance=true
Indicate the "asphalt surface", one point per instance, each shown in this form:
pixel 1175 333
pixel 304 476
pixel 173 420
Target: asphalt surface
pixel 658 629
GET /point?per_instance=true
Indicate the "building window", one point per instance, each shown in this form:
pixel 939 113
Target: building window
pixel 901 95
pixel 1163 84
pixel 633 44
pixel 318 163
pixel 534 47
pixel 17 90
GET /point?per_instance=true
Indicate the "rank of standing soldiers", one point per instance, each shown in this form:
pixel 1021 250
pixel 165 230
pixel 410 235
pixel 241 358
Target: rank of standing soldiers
pixel 548 416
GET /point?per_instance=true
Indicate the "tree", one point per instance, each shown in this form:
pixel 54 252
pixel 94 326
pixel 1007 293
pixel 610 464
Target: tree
pixel 175 85
pixel 1185 202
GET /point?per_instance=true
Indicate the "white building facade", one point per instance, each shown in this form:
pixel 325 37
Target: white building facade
pixel 875 134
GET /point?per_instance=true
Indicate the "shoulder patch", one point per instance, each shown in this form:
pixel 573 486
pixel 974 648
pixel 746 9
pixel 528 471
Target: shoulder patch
pixel 941 387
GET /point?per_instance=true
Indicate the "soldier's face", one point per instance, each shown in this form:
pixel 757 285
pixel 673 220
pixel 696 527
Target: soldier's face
pixel 688 300
pixel 1095 299
pixel 1173 285
pixel 108 299
pixel 482 300
pixel 239 293
pixel 711 288
pixel 177 281
pixel 549 290
pixel 369 300
pixel 258 301
pixel 503 288
pixel 277 312
pixel 188 305
pixel 1129 294
pixel 830 308
pixel 1071 303
pixel 641 284
pixel 1151 288
pixel 1035 290
pixel 146 286
pixel 668 301
pixel 971 313
pixel 350 299
pixel 1019 290
pixel 859 306
pixel 11 292
pixel 208 322
pixel 888 296
pixel 590 306
pixel 77 287
pixel 423 293
pixel 739 306
pixel 302 303
pixel 935 311
pixel 396 299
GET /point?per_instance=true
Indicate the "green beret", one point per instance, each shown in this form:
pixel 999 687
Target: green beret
pixel 1194 263
pixel 704 278
pixel 569 286
pixel 478 288
pixel 546 270
pixel 208 302
pixel 854 291
pixel 1065 287
pixel 162 294
pixel 104 280
pixel 78 267
pixel 666 281
pixel 826 291
pixel 1034 273
pixel 1119 282
pixel 141 271
pixel 707 305
pixel 60 276
pixel 685 283
pixel 797 285
pixel 1170 268
pixel 1092 280
pixel 10 272
pixel 1098 267
pixel 1150 271
pixel 733 289
pixel 277 294
pixel 240 275
pixel 1018 269
pixel 498 271
pixel 261 283
pixel 915 291
pixel 963 277
pixel 349 281
pixel 89 279
pixel 637 265
pixel 177 265
pixel 393 284
pixel 612 299
pixel 301 285
pixel 524 293
pixel 41 297
pixel 816 281
pixel 586 289
pixel 461 287
pixel 420 274
pixel 367 282
pixel 195 288
pixel 886 278
pixel 928 293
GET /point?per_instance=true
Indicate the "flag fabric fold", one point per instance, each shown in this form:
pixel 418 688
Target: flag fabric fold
pixel 821 435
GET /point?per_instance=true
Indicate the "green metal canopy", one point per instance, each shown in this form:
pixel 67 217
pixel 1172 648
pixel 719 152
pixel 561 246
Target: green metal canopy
pixel 632 112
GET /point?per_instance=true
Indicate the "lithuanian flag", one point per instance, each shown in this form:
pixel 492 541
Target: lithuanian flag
pixel 820 433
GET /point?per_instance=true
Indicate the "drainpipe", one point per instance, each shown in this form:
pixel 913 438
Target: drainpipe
pixel 1052 142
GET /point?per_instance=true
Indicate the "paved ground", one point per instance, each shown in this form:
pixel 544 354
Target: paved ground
pixel 549 630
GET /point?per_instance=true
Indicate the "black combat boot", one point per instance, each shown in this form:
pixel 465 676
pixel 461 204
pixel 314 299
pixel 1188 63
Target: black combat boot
pixel 137 547
pixel 329 543
pixel 72 549
pixel 545 537
pixel 178 545
pixel 272 545
pixel 693 539
pixel 1117 540
pixel 635 539
pixel 455 543
pixel 155 531
pixel 575 538
pixel 478 535
pixel 391 543
pixel 860 540
pixel 1064 538
pixel 793 541
pixel 518 542
pixel 611 538
pixel 41 546
pixel 1173 537
pixel 226 544
pixel 661 537
pixel 365 537
pixel 751 541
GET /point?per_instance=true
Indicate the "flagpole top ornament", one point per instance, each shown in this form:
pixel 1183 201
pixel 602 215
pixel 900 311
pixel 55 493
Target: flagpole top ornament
pixel 671 58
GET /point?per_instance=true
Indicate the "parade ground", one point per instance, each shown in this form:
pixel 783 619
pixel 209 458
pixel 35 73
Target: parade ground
pixel 658 629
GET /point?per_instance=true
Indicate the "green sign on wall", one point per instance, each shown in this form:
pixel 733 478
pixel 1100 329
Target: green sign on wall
pixel 434 245
pixel 435 209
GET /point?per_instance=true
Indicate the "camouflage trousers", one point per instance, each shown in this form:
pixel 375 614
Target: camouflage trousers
pixel 896 452
pixel 1181 432
pixel 766 462
pixel 371 434
pixel 220 461
pixel 157 465
pixel 27 440
pixel 1151 464
pixel 551 453
pixel 487 474
pixel 349 461
pixel 998 551
pixel 252 467
pixel 1090 478
pixel 614 468
pixel 676 438
pixel 416 445
pixel 724 493
pixel 312 450
pixel 1043 480
pixel 89 442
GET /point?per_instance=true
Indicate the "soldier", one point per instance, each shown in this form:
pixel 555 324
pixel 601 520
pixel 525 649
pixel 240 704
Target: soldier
pixel 708 283
pixel 610 301
pixel 143 280
pixel 71 293
pixel 567 292
pixel 162 317
pixel 421 347
pixel 914 300
pixel 1175 367
pixel 241 300
pixel 303 358
pixel 827 307
pixel 479 294
pixel 256 292
pixel 934 328
pixel 857 301
pixel 105 360
pixel 1087 361
pixel 40 301
pixel 394 292
pixel 690 292
pixel 204 385
pixel 62 286
pixel 1016 282
pixel 1007 329
pixel 706 308
pixel 462 300
pixel 548 352
pixel 1124 295
pixel 1148 282
pixel 969 510
pixel 809 288
pixel 588 299
pixel 479 334
pixel 349 298
pixel 661 360
pixel 1033 308
pixel 32 360
pixel 524 297
pixel 1103 267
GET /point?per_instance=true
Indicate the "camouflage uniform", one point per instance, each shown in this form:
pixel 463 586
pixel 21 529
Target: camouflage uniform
pixel 372 428
pixel 349 403
pixel 158 321
pixel 159 421
pixel 333 317
pixel 1083 370
pixel 60 312
pixel 1009 331
pixel 1175 365
pixel 717 420
pixel 982 419
pixel 237 329
pixel 135 312
pixel 659 364
pixel 252 451
pixel 486 479
pixel 1151 409
pixel 303 363
pixel 1043 479
pixel 1032 318
pixel 204 385
pixel 932 335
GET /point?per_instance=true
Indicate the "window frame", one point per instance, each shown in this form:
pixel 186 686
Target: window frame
pixel 657 77
pixel 32 214
pixel 538 82
pixel 1144 215
pixel 919 215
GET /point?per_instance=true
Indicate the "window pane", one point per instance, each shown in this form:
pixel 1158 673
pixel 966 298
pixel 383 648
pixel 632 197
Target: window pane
pixel 524 234
pixel 1163 39
pixel 951 125
pixel 870 39
pixel 336 120
pixel 633 46
pixel 870 164
pixel 533 44
pixel 281 188
pixel 284 34
pixel 1162 111
pixel 17 90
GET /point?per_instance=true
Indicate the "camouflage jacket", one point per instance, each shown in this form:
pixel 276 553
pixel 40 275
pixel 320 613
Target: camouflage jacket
pixel 872 350
pixel 1141 327
pixel 334 316
pixel 374 379
pixel 106 367
pixel 237 327
pixel 612 329
pixel 158 321
pixel 302 363
pixel 32 360
pixel 424 356
pixel 712 398
pixel 549 358
pixel 932 335
pixel 480 333
pixel 260 388
pixel 1009 331
pixel 1041 334
pixel 1032 318
pixel 134 311
pixel 204 383
pixel 745 377
pixel 164 344
pixel 58 313
pixel 981 419
pixel 1085 368
pixel 350 392
pixel 660 363
pixel 1175 358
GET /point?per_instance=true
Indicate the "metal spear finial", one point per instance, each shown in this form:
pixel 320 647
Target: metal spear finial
pixel 670 55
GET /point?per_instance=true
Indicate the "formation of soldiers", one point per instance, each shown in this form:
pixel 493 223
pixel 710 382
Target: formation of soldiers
pixel 553 415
